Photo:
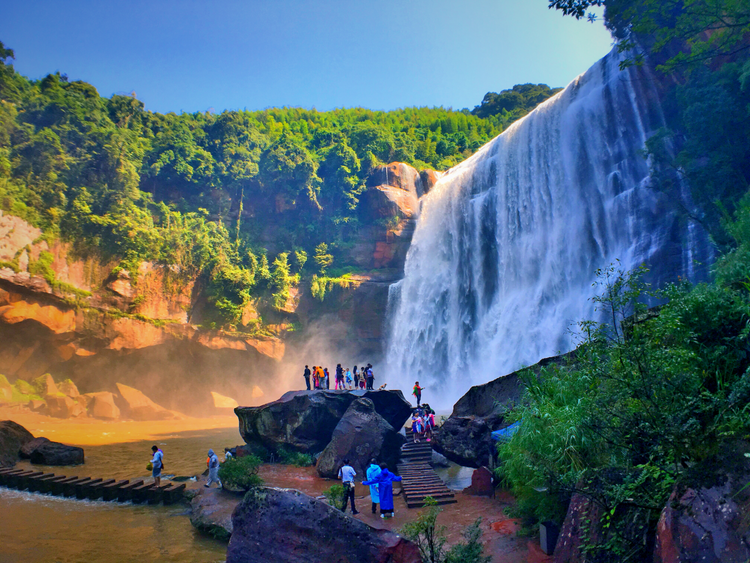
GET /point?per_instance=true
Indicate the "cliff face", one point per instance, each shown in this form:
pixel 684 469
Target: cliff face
pixel 82 318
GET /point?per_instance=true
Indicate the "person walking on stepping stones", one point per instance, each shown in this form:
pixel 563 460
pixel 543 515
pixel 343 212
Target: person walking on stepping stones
pixel 157 463
pixel 213 469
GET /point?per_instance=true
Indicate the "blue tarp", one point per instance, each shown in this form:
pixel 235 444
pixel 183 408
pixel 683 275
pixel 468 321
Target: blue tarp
pixel 506 433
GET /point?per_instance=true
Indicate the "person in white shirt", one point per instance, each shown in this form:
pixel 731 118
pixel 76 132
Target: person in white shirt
pixel 347 474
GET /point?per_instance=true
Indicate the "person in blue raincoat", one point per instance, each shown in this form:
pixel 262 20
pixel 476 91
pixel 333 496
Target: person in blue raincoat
pixel 372 473
pixel 384 481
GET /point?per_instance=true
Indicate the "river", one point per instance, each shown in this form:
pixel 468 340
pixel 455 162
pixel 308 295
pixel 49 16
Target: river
pixel 37 528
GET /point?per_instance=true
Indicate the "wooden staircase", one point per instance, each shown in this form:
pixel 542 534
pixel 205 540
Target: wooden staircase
pixel 419 478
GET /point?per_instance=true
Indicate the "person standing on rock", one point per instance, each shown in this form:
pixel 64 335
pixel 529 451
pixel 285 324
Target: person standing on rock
pixel 372 474
pixel 339 378
pixel 347 474
pixel 307 377
pixel 417 392
pixel 157 463
pixel 348 379
pixel 355 375
pixel 213 469
pixel 384 481
pixel 370 377
pixel 327 378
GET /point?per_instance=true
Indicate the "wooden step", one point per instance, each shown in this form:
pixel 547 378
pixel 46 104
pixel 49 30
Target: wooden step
pixel 110 492
pixel 82 489
pixel 69 488
pixel 35 485
pixel 141 493
pixel 96 491
pixel 124 492
pixel 173 493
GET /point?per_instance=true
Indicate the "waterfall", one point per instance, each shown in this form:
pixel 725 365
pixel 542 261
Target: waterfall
pixel 507 243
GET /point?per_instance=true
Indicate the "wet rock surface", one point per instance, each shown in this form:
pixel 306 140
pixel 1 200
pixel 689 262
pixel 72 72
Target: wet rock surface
pixel 12 438
pixel 211 511
pixel 305 420
pixel 360 435
pixel 55 453
pixel 287 526
pixel 29 447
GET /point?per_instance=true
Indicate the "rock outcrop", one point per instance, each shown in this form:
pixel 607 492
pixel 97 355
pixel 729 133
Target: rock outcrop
pixel 708 522
pixel 102 405
pixel 138 406
pixel 287 526
pixel 62 406
pixel 360 435
pixel 13 437
pixel 465 437
pixel 305 420
pixel 211 512
pixel 55 453
pixel 28 448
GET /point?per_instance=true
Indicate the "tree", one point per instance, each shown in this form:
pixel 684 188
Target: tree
pixel 322 258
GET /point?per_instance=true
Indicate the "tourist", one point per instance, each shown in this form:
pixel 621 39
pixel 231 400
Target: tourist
pixel 213 469
pixel 384 481
pixel 372 474
pixel 355 375
pixel 429 424
pixel 339 377
pixel 346 474
pixel 307 377
pixel 327 377
pixel 348 379
pixel 417 392
pixel 370 376
pixel 227 454
pixel 416 426
pixel 157 464
pixel 315 377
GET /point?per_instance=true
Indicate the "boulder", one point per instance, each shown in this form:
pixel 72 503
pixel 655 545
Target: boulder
pixel 481 483
pixel 223 402
pixel 579 530
pixel 102 405
pixel 707 521
pixel 37 405
pixel 28 448
pixel 360 435
pixel 287 526
pixel 55 453
pixel 137 406
pixel 45 385
pixel 211 512
pixel 6 390
pixel 68 388
pixel 62 406
pixel 305 420
pixel 12 438
pixel 439 460
pixel 465 437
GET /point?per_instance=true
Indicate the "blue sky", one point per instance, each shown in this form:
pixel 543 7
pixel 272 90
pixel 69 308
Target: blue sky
pixel 189 55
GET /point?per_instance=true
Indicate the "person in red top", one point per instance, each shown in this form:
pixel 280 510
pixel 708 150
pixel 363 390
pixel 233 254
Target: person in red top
pixel 418 392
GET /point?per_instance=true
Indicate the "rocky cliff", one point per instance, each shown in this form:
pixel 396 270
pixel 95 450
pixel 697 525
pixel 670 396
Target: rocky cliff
pixel 83 318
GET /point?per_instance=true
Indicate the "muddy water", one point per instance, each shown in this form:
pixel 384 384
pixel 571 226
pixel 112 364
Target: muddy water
pixel 38 528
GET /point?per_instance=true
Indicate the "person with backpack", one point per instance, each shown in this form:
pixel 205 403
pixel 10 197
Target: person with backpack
pixel 347 474
pixel 213 469
pixel 157 464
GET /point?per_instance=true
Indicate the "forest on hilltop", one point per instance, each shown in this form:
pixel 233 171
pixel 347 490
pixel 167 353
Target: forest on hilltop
pixel 196 190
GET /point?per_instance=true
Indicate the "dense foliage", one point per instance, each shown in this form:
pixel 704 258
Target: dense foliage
pixel 514 103
pixel 241 473
pixel 239 200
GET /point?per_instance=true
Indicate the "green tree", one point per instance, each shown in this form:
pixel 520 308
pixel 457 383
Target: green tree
pixel 322 258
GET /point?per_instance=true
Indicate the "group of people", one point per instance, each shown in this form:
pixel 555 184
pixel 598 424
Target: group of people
pixel 380 481
pixel 422 423
pixel 212 462
pixel 344 378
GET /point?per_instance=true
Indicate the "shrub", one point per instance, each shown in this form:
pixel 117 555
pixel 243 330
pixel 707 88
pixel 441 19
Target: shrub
pixel 335 495
pixel 298 459
pixel 241 473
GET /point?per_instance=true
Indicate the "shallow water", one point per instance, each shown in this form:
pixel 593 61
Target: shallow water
pixel 37 528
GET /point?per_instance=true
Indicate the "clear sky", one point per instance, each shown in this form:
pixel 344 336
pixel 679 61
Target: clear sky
pixel 189 55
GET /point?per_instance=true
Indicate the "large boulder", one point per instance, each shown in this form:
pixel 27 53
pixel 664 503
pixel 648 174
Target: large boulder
pixel 305 420
pixel 62 406
pixel 102 405
pixel 211 512
pixel 360 435
pixel 287 526
pixel 29 447
pixel 138 406
pixel 12 438
pixel 67 387
pixel 55 453
pixel 45 385
pixel 706 520
pixel 465 437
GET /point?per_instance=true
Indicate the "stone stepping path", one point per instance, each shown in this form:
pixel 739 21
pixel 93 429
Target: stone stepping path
pixel 90 488
pixel 419 479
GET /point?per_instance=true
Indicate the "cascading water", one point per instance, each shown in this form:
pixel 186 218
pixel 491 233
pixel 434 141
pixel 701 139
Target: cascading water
pixel 507 243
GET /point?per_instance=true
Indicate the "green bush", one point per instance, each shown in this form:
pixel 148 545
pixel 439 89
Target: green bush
pixel 240 473
pixel 335 495
pixel 288 457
